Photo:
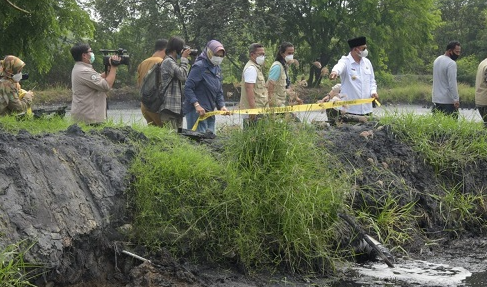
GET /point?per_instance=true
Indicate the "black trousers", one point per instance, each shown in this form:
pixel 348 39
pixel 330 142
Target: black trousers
pixel 447 109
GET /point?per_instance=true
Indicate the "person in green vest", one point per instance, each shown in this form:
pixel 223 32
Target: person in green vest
pixel 279 84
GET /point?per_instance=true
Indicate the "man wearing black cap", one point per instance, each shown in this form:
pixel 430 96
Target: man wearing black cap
pixel 357 77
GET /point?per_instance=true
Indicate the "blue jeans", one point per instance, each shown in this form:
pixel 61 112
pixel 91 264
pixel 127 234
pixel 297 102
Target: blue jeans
pixel 203 126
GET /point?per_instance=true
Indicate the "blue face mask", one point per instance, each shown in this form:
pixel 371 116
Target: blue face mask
pixel 92 57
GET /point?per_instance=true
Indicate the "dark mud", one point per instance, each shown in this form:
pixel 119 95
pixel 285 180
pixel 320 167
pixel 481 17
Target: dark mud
pixel 66 191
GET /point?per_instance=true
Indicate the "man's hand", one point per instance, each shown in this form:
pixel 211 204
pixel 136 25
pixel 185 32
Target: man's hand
pixel 456 104
pixel 114 61
pixel 333 75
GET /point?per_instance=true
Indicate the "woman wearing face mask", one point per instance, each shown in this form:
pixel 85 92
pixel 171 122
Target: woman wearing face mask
pixel 203 90
pixel 279 83
pixel 11 74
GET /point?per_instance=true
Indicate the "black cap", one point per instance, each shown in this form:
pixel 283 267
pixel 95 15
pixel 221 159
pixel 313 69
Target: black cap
pixel 355 42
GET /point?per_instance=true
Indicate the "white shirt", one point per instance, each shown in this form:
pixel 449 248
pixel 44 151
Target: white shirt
pixel 250 75
pixel 358 82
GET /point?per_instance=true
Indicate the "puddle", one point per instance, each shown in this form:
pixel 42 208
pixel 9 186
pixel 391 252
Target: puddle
pixel 412 273
pixel 417 272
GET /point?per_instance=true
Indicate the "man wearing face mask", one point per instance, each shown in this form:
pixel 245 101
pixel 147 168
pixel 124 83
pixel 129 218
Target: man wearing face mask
pixel 10 76
pixel 357 77
pixel 204 87
pixel 445 90
pixel 279 84
pixel 89 87
pixel 254 92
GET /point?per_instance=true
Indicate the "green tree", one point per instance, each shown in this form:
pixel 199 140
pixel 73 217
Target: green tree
pixel 396 30
pixel 40 28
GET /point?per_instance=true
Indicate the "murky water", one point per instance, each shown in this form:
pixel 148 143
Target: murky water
pixel 133 115
pixel 412 272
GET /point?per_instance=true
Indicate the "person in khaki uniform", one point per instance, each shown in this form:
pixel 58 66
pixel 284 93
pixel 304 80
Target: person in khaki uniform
pixel 142 70
pixel 10 75
pixel 481 90
pixel 254 91
pixel 89 87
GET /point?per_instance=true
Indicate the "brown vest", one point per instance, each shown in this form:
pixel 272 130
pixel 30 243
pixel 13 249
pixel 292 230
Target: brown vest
pixel 260 90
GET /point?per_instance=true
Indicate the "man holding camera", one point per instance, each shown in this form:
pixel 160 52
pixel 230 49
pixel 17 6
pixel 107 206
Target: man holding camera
pixel 89 87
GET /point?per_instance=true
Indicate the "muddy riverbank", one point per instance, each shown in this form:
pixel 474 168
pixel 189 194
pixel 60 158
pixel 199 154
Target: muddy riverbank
pixel 66 190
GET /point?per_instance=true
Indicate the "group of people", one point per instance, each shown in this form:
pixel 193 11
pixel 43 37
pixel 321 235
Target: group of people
pixel 203 84
pixel 193 92
pixel 203 88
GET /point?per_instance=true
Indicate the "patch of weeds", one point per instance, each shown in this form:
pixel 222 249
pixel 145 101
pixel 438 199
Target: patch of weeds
pixel 460 210
pixel 287 196
pixel 14 270
pixel 448 145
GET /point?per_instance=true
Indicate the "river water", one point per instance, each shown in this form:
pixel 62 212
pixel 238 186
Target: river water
pixel 413 272
pixel 131 114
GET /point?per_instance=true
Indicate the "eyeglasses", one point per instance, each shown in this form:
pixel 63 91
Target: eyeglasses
pixel 89 51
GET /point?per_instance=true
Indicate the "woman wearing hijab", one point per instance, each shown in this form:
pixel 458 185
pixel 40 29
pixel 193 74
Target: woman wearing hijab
pixel 204 87
pixel 10 76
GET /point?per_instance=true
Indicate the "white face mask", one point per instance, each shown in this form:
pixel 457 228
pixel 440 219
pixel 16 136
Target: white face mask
pixel 289 58
pixel 216 60
pixel 17 77
pixel 260 60
pixel 363 53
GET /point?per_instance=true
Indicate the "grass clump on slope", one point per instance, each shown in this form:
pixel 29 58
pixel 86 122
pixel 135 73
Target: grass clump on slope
pixel 268 200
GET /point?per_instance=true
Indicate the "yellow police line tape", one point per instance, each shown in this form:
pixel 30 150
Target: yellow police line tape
pixel 286 109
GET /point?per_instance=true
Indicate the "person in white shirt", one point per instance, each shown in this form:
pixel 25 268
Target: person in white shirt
pixel 357 77
pixel 254 91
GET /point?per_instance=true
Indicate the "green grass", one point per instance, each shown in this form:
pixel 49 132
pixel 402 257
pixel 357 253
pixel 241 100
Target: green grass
pixel 420 93
pixel 14 270
pixel 269 200
pixel 447 144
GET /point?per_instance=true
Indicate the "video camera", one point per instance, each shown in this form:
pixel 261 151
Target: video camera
pixel 122 53
pixel 194 52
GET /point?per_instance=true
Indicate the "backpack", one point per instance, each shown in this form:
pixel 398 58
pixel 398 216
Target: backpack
pixel 151 93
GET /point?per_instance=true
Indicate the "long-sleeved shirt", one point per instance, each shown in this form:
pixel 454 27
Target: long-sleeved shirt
pixel 89 103
pixel 358 82
pixel 445 89
pixel 173 76
pixel 204 85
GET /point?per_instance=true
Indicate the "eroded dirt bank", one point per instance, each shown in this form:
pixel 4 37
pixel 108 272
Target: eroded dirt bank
pixel 66 190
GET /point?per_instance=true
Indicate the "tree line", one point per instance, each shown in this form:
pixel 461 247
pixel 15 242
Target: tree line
pixel 404 36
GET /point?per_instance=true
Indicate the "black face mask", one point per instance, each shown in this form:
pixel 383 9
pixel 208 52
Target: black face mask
pixel 453 56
